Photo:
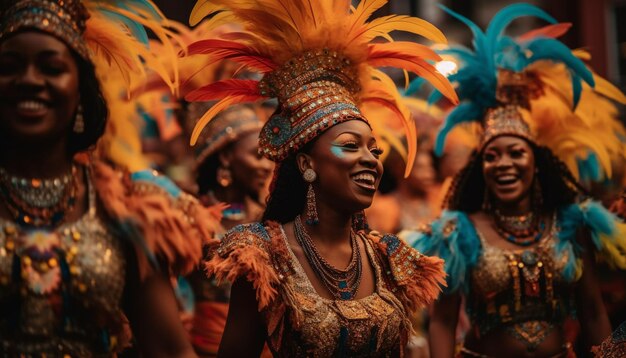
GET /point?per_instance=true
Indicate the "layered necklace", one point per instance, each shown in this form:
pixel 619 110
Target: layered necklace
pixel 39 202
pixel 342 284
pixel 522 230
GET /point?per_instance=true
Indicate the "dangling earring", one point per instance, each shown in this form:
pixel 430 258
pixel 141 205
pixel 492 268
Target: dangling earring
pixel 309 176
pixel 79 121
pixel 359 221
pixel 224 177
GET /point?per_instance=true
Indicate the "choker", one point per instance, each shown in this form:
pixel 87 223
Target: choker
pixel 39 202
pixel 522 230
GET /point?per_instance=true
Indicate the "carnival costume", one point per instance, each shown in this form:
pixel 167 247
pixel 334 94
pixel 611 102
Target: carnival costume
pixel 62 283
pixel 320 79
pixel 509 85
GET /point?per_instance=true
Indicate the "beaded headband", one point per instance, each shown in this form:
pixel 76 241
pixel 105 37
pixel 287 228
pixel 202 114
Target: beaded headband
pixel 315 91
pixel 513 95
pixel 226 128
pixel 64 19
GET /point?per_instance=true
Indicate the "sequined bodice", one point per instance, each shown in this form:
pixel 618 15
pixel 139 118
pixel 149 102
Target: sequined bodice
pixel 367 327
pixel 60 290
pixel 512 286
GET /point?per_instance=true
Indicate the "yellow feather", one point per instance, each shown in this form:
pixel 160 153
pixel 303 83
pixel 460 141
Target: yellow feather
pixel 387 24
pixel 202 9
pixel 210 114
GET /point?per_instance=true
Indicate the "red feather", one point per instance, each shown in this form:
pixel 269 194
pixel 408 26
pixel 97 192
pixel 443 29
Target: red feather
pixel 552 31
pixel 400 49
pixel 241 53
pixel 220 89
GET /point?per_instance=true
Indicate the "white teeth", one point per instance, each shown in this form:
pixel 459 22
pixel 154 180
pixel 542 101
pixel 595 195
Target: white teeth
pixel 31 105
pixel 366 178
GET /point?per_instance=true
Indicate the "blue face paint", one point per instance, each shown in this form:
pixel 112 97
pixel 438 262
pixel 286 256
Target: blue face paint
pixel 336 150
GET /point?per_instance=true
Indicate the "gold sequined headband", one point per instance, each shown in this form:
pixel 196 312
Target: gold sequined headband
pixel 64 19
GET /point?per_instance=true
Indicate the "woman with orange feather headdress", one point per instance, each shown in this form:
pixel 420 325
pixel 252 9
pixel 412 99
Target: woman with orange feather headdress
pixel 311 279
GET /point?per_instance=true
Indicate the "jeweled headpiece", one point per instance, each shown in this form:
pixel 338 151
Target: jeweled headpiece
pixel 226 128
pixel 513 97
pixel 317 58
pixel 110 33
pixel 65 19
pixel 536 88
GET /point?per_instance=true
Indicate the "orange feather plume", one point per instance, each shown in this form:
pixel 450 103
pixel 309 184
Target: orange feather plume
pixel 276 31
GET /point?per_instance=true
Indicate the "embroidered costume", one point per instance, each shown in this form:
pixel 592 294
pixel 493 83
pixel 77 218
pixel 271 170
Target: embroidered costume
pixel 62 283
pixel 320 80
pixel 61 288
pixel 527 87
pixel 300 322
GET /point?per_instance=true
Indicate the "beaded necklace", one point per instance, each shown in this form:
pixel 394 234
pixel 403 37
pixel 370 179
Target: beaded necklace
pixel 522 230
pixel 38 202
pixel 342 284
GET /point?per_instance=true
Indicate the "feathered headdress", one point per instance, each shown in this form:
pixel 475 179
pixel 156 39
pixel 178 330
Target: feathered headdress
pixel 110 33
pixel 318 59
pixel 493 80
pixel 534 87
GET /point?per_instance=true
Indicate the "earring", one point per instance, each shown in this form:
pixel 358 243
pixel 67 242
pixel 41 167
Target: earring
pixel 79 121
pixel 224 177
pixel 309 176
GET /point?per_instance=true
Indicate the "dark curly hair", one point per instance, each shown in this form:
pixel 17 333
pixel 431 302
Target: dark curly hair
pixel 95 110
pixel 559 187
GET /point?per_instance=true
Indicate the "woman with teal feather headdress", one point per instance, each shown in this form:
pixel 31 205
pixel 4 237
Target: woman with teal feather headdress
pixel 517 240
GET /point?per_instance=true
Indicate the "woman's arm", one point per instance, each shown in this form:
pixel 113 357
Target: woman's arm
pixel 245 330
pixel 442 327
pixel 592 314
pixel 155 319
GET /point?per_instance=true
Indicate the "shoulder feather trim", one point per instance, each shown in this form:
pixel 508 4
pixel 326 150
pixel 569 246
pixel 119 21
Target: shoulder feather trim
pixel 607 232
pixel 166 226
pixel 253 251
pixel 414 278
pixel 453 238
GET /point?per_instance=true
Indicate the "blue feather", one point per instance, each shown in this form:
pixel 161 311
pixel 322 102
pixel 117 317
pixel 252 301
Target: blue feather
pixel 465 112
pixel 479 41
pixel 460 248
pixel 551 49
pixel 414 86
pixel 577 89
pixel 434 97
pixel 510 55
pixel 504 17
pixel 135 29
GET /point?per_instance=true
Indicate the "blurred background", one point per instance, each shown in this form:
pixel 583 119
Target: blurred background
pixel 598 25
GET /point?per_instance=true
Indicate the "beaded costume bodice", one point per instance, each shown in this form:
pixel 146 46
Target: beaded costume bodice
pixel 299 322
pixel 511 287
pixel 60 290
pixel 366 327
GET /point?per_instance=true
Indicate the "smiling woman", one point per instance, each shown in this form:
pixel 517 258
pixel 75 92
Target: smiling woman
pixel 82 245
pixel 518 235
pixel 311 279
